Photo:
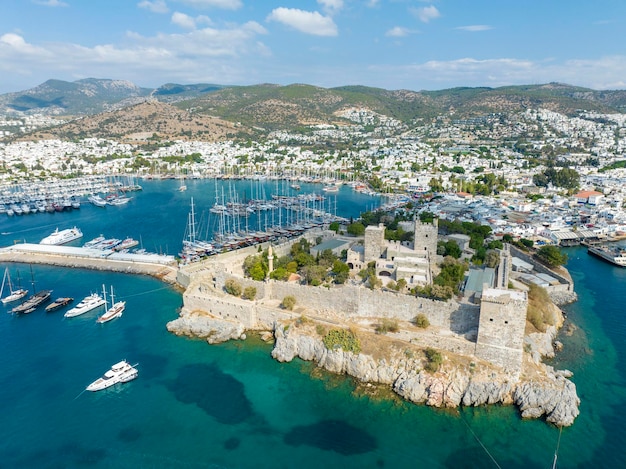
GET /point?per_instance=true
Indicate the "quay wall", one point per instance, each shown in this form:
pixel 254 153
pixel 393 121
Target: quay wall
pixel 129 266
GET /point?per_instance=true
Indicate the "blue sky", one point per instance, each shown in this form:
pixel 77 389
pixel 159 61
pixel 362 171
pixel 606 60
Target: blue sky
pixel 392 44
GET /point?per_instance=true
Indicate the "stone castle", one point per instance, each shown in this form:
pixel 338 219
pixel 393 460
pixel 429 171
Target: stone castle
pixel 492 331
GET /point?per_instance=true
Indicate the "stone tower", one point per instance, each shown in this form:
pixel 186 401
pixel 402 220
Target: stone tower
pixel 501 328
pixel 504 268
pixel 425 239
pixel 374 242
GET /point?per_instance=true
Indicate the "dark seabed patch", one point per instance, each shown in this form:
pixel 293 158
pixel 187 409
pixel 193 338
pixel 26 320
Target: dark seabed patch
pixel 217 393
pixel 232 443
pixel 129 434
pixel 332 435
pixel 69 455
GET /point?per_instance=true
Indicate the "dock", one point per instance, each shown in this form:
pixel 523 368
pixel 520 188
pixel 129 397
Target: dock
pixel 156 265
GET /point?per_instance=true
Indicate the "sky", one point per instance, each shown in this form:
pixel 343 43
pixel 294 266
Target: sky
pixel 391 44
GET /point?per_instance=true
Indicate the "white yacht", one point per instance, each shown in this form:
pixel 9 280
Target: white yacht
pixel 62 237
pixel 90 302
pixel 121 372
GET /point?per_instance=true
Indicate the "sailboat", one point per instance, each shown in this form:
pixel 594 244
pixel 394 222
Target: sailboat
pixel 13 295
pixel 32 303
pixel 116 309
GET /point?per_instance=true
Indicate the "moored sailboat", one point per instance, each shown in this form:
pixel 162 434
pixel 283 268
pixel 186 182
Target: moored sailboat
pixel 115 311
pixel 13 295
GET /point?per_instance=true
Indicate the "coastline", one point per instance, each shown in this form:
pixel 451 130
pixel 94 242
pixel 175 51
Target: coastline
pixel 396 360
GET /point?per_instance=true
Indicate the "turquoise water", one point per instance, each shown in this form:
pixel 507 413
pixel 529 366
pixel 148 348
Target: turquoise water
pixel 231 405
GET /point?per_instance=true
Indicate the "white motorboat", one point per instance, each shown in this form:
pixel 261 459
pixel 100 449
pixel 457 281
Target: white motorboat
pixel 115 311
pixel 97 200
pixel 121 372
pixel 62 237
pixel 89 303
pixel 13 295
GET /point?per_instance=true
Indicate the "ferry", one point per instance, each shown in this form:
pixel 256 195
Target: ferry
pixel 62 237
pixel 613 255
pixel 121 372
pixel 89 303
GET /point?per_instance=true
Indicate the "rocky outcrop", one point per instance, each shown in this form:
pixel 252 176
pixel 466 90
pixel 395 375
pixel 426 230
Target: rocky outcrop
pixel 214 330
pixel 554 396
pixel 541 344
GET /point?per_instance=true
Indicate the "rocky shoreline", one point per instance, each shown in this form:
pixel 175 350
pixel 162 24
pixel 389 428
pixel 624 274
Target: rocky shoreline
pixel 544 393
pixel 553 396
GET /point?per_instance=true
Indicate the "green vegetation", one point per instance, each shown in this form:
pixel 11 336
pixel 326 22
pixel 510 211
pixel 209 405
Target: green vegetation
pixel 232 287
pixel 289 302
pixel 256 267
pixel 387 325
pixel 249 293
pixel 342 339
pixel 434 360
pixel 421 321
pixel 551 255
pixel 566 178
pixel 449 248
pixel 356 229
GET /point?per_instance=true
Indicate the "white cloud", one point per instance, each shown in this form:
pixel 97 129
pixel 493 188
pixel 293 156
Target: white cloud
pixel 51 3
pixel 426 14
pixel 228 55
pixel 398 31
pixel 331 6
pixel 157 6
pixel 601 73
pixel 475 28
pixel 309 22
pixel 183 20
pixel 223 4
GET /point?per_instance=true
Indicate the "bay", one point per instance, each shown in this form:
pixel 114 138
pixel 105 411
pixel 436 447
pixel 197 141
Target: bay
pixel 231 405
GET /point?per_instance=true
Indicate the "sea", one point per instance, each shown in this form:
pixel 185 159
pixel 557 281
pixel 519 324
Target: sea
pixel 231 405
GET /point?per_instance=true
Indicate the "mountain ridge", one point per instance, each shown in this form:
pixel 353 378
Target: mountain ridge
pixel 265 107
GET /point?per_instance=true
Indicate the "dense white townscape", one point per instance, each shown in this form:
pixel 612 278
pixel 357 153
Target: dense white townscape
pixel 454 158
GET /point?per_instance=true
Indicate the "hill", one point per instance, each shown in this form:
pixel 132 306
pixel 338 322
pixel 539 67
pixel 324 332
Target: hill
pixel 273 107
pixel 146 120
pixel 262 108
pixel 88 96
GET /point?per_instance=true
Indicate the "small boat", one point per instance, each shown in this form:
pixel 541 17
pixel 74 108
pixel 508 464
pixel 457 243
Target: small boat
pixel 58 303
pixel 126 244
pixel 33 302
pixel 121 372
pixel 62 237
pixel 13 295
pixel 89 303
pixel 94 242
pixel 115 311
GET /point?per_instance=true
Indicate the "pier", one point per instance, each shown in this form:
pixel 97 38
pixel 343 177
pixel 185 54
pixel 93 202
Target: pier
pixel 156 265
